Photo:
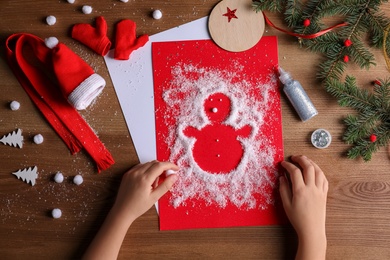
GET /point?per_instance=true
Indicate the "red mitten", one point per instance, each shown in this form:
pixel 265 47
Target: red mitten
pixel 126 39
pixel 94 38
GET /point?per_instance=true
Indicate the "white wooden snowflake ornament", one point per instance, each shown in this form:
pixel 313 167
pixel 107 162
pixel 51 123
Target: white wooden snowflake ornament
pixel 27 175
pixel 13 139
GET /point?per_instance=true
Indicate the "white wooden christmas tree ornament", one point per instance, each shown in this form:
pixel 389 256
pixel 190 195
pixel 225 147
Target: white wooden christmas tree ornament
pixel 27 175
pixel 14 139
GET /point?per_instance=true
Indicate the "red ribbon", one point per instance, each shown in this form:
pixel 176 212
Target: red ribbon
pixel 304 36
pixel 46 95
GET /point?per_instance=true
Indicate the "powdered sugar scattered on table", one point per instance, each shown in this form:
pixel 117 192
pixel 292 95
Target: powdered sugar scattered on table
pixel 256 173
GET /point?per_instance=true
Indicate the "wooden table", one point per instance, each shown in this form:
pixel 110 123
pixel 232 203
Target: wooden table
pixel 358 220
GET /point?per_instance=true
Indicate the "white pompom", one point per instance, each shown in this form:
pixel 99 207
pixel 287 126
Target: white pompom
pixel 78 179
pixel 87 9
pixel 14 105
pixel 71 1
pixel 51 42
pixel 170 172
pixel 56 213
pixel 59 178
pixel 124 1
pixel 157 14
pixel 38 139
pixel 51 20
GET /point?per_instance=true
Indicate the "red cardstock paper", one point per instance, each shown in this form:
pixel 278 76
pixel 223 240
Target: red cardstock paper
pixel 218 117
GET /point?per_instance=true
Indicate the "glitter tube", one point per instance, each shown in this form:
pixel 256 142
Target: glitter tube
pixel 297 96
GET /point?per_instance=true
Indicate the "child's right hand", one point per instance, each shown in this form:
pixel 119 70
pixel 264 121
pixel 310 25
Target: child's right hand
pixel 305 205
pixel 139 189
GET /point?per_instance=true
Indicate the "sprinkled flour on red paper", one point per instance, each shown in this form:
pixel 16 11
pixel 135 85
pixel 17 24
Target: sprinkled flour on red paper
pixel 218 118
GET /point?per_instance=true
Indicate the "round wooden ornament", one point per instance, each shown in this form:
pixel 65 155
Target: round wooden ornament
pixel 235 26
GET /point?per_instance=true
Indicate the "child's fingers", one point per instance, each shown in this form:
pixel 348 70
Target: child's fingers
pixel 157 168
pixel 325 186
pixel 307 168
pixel 285 192
pixel 137 167
pixel 163 187
pixel 141 167
pixel 320 178
pixel 155 184
pixel 295 175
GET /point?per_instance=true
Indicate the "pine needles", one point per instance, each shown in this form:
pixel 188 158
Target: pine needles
pixel 369 129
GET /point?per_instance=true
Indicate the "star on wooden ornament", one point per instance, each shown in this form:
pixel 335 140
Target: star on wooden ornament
pixel 230 14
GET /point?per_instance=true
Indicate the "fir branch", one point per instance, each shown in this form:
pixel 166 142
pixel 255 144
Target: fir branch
pixel 349 95
pixel 323 43
pixel 360 55
pixel 378 23
pixel 263 5
pixel 331 69
pixel 335 8
pixel 362 16
pixel 293 13
pixel 354 129
pixel 363 149
pixel 373 117
pixel 382 95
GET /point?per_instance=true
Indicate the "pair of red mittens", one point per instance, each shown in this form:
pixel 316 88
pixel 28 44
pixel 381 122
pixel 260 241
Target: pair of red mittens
pixel 96 37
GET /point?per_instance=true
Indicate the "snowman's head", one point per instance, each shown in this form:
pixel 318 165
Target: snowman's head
pixel 217 107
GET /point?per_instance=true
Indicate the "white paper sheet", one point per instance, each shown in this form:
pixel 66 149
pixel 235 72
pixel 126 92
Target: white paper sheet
pixel 133 83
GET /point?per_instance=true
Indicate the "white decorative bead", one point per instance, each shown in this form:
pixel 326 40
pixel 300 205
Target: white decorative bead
pixel 157 14
pixel 14 105
pixel 56 213
pixel 87 9
pixel 78 179
pixel 51 20
pixel 51 42
pixel 59 178
pixel 38 139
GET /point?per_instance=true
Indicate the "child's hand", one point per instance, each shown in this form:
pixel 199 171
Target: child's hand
pixel 139 189
pixel 305 205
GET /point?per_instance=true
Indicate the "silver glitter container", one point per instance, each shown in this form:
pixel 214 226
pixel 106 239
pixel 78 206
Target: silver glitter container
pixel 297 96
pixel 321 138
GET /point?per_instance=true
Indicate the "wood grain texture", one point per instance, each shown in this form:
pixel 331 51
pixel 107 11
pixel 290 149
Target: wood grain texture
pixel 358 219
pixel 234 26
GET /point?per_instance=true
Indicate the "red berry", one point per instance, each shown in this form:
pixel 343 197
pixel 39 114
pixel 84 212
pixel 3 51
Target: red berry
pixel 347 43
pixel 346 58
pixel 377 82
pixel 373 138
pixel 306 22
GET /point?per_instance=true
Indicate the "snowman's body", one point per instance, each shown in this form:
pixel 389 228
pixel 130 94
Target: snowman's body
pixel 217 148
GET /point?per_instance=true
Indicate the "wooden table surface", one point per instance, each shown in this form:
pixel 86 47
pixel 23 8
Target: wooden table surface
pixel 358 216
